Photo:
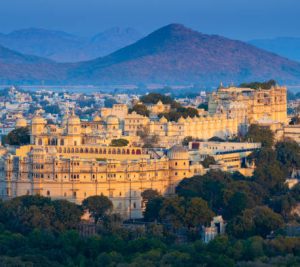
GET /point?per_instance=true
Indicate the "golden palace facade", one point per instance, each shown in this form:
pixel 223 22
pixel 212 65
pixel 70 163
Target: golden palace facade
pixel 68 162
pixel 250 105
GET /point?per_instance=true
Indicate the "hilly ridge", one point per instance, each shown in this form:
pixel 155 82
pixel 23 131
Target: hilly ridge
pixel 64 47
pixel 172 54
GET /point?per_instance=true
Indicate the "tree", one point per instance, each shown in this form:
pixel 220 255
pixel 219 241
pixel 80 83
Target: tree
pixel 256 85
pixel 148 139
pixel 149 194
pixel 153 98
pixel 209 160
pixel 203 106
pixel 98 206
pixel 173 211
pixel 288 154
pixel 260 134
pixel 152 210
pixel 186 140
pixel 257 221
pixel 19 136
pixel 197 213
pixel 140 109
pixel 26 213
pixel 119 142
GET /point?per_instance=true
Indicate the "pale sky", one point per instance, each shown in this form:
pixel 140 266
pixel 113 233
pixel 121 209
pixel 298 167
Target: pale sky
pixel 239 19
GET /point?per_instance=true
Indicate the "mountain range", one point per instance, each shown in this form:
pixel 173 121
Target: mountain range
pixel 288 47
pixel 64 47
pixel 172 54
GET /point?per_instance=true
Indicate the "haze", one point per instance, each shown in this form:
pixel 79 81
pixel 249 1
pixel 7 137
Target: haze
pixel 239 19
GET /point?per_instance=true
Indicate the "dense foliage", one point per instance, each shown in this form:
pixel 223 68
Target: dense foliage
pixel 260 134
pixel 119 142
pixel 259 85
pixel 140 109
pixel 17 137
pixel 37 231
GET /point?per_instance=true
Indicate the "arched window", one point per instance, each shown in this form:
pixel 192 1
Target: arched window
pixel 62 142
pixel 96 150
pixel 40 142
pixel 86 150
pixel 138 152
pixel 119 151
pixel 104 151
pixel 100 151
pixel 123 151
pixel 65 150
pixel 128 151
pixel 91 150
pixel 109 151
pixel 114 151
pixel 72 150
pixel 48 193
pixel 76 150
pixel 68 150
pixel 133 152
pixel 81 150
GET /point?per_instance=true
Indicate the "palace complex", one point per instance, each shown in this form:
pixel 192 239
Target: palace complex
pixel 75 159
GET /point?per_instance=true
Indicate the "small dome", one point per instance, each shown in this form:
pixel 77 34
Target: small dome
pixel 163 120
pixel 37 119
pixel 97 118
pixel 73 119
pixel 181 120
pixel 21 122
pixel 112 120
pixel 178 152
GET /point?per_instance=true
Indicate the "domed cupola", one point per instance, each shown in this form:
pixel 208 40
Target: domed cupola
pixel 74 124
pixel 178 152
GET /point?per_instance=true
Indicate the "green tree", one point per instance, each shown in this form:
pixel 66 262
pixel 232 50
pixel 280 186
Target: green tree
pixel 186 140
pixel 19 136
pixel 257 221
pixel 288 154
pixel 152 210
pixel 203 106
pixel 256 85
pixel 98 206
pixel 119 142
pixel 140 109
pixel 173 211
pixel 209 160
pixel 260 134
pixel 197 213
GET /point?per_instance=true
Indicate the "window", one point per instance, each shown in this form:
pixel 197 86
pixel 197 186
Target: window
pixel 48 193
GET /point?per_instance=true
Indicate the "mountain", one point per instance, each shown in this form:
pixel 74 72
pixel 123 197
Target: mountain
pixel 172 55
pixel 175 54
pixel 64 47
pixel 19 68
pixel 285 46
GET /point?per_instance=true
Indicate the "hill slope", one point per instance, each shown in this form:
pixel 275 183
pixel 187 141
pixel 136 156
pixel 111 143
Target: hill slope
pixel 19 68
pixel 284 46
pixel 176 54
pixel 64 47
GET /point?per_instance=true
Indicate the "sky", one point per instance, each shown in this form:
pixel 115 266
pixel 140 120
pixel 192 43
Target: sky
pixel 237 19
